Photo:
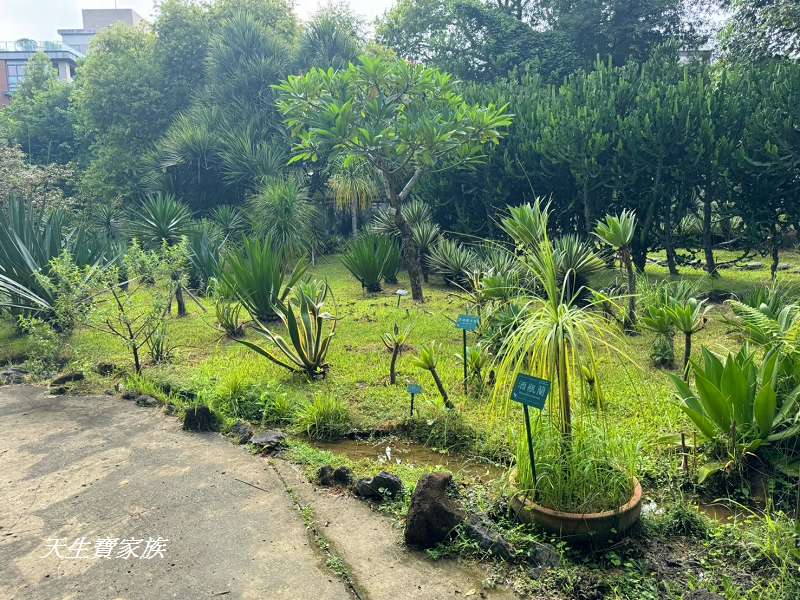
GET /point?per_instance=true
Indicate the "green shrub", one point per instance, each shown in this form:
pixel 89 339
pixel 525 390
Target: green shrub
pixel 323 418
pixel 44 345
pixel 257 277
pixel 452 261
pixel 366 258
pixel 307 333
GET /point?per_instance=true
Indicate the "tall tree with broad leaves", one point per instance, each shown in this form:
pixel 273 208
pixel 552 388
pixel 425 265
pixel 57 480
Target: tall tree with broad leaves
pixel 404 119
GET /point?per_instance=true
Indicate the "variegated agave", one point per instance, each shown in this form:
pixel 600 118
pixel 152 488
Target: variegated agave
pixel 308 336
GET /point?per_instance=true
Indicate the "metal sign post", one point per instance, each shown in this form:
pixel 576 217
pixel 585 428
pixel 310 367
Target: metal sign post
pixel 530 391
pixel 467 323
pixel 413 389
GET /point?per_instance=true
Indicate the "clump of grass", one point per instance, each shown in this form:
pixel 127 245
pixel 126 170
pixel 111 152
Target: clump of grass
pixel 278 406
pixel 594 474
pixel 681 519
pixel 323 418
pixel 147 387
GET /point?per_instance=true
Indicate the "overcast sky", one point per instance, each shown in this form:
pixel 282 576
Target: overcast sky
pixel 39 19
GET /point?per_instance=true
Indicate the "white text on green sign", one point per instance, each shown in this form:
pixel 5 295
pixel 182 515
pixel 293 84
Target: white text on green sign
pixel 530 391
pixel 468 322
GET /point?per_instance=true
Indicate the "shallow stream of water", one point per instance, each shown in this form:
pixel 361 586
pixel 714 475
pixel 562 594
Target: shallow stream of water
pixel 399 451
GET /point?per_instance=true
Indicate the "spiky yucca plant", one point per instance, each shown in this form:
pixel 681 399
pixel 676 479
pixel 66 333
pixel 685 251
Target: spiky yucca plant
pixel 159 218
pixel 452 261
pixel 256 275
pixel 427 359
pixel 617 231
pixel 283 212
pixel 366 258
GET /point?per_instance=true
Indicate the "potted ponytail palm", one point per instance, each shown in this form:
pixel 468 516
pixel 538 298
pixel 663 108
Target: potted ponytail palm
pixel 585 488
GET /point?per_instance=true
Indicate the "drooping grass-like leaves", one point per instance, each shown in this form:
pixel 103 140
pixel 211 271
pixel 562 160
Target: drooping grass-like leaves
pixel 366 259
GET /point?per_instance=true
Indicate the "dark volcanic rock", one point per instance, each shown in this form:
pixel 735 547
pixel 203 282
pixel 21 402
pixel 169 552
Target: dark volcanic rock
pixel 482 530
pixel 241 432
pixel 130 395
pixel 105 368
pixel 325 475
pixel 58 390
pixel 433 514
pixel 268 440
pixel 68 378
pixel 343 475
pixel 382 485
pixel 199 418
pixel 146 401
pixel 12 375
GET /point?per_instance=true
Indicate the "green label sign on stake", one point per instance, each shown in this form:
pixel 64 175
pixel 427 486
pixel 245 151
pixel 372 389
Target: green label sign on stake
pixel 413 389
pixel 530 391
pixel 468 322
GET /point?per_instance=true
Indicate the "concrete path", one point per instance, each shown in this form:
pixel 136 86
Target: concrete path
pixel 76 472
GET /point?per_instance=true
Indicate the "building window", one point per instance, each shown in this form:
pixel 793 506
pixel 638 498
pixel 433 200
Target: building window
pixel 16 73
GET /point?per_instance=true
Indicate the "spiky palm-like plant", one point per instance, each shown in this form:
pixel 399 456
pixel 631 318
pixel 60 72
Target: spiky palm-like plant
pixel 688 317
pixel 230 220
pixel 452 261
pixel 576 262
pixel 553 337
pixel 283 212
pixel 394 341
pixel 428 359
pixel 354 187
pixel 256 275
pixel 366 258
pixel 617 231
pixel 162 219
pixel 159 218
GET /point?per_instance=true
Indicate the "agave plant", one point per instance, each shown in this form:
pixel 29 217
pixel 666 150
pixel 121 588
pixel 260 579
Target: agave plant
pixel 309 338
pixel 30 239
pixel 415 213
pixel 657 318
pixel 452 261
pixel 159 218
pixel 740 403
pixel 229 318
pixel 617 231
pixel 428 359
pixel 391 265
pixel 366 258
pixel 205 250
pixel 256 276
pixel 424 235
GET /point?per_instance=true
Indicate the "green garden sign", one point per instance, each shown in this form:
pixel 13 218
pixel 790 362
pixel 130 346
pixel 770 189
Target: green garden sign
pixel 530 391
pixel 467 323
pixel 413 389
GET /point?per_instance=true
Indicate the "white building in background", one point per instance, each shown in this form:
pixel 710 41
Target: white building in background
pixel 65 54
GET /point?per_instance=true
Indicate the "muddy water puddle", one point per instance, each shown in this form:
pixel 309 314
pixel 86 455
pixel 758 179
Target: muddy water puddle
pixel 399 451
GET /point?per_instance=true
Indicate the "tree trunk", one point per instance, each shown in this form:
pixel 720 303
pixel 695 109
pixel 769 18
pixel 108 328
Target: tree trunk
pixel 393 365
pixel 687 354
pixel 630 318
pixel 442 391
pixel 354 218
pixel 708 247
pixel 410 252
pixel 669 246
pixel 775 247
pixel 179 298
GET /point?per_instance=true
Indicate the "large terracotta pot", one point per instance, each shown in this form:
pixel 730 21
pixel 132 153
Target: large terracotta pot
pixel 596 528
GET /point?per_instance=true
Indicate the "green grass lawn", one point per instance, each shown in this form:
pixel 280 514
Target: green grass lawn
pixel 639 404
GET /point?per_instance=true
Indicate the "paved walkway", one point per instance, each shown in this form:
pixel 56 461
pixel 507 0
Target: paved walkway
pixel 77 471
